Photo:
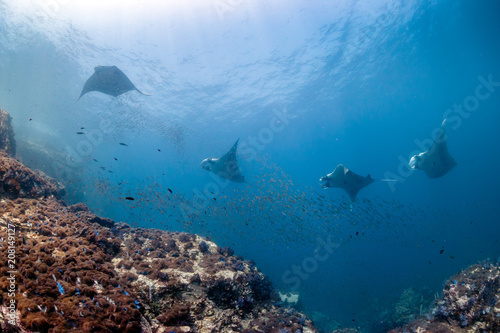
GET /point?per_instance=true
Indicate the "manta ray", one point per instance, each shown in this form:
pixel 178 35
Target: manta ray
pixel 347 180
pixel 437 161
pixel 109 80
pixel 226 166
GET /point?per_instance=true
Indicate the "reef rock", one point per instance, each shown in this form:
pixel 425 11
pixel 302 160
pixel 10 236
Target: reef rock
pixel 70 270
pixel 16 180
pixel 470 303
pixel 7 141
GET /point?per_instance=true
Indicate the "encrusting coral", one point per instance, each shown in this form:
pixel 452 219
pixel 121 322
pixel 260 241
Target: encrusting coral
pixel 76 271
pixel 470 303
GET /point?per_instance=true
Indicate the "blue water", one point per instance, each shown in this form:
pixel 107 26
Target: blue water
pixel 361 84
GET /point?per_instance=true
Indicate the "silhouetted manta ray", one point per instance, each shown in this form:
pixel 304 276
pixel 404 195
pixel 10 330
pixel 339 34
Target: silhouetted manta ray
pixel 226 166
pixel 437 161
pixel 109 80
pixel 347 180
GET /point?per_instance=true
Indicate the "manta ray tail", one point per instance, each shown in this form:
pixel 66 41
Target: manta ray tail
pixel 146 94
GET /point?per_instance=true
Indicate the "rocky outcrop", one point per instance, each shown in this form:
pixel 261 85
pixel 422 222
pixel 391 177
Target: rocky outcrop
pixel 470 303
pixel 17 181
pixel 7 141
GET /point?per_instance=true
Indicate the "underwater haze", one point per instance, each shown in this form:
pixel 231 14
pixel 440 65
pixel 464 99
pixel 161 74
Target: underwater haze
pixel 305 86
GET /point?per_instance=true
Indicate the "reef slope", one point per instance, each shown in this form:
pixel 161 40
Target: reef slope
pixel 470 303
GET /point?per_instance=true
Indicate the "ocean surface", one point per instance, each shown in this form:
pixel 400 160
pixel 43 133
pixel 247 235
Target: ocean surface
pixel 305 86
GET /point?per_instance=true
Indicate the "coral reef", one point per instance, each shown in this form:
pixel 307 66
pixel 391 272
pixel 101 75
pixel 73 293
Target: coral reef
pixel 7 142
pixel 470 303
pixel 71 270
pixel 79 270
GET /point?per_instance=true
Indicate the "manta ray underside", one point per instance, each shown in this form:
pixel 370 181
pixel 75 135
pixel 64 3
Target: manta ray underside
pixel 347 180
pixel 225 166
pixel 109 80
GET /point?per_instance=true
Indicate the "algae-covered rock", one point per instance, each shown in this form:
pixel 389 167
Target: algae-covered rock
pixel 16 180
pixel 7 141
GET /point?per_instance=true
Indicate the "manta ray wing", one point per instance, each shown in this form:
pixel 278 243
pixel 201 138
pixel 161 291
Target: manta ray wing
pixel 353 183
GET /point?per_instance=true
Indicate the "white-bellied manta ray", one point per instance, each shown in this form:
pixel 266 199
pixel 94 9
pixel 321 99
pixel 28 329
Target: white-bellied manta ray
pixel 347 180
pixel 109 80
pixel 437 161
pixel 225 166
